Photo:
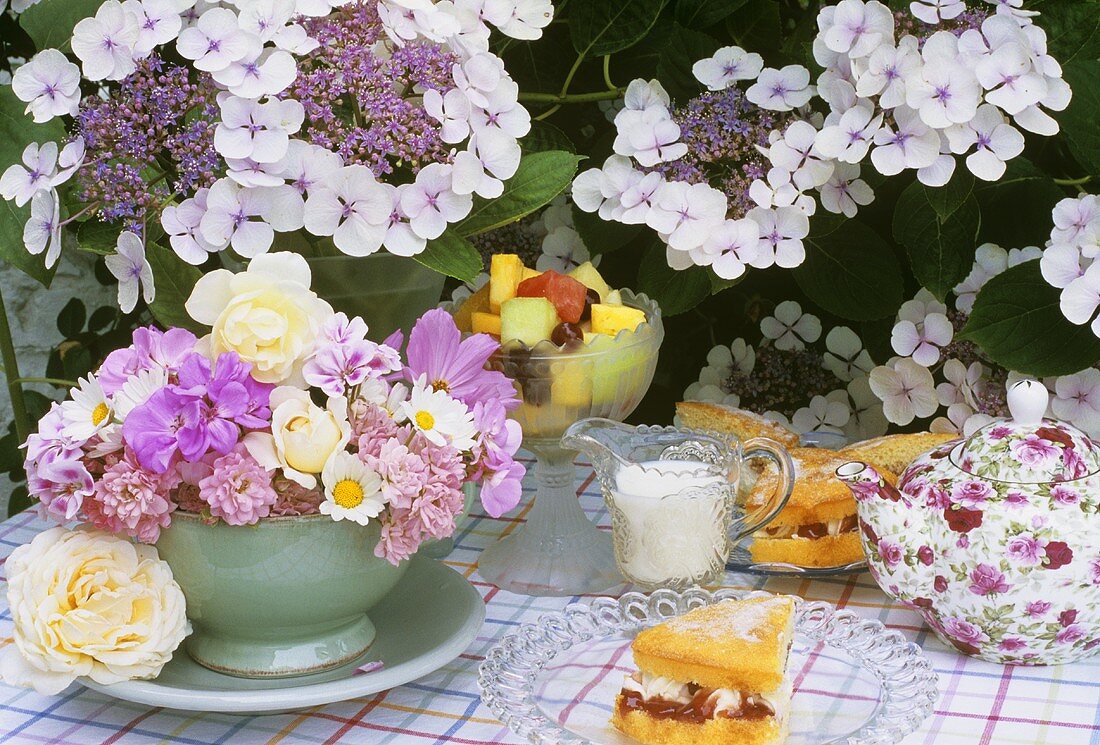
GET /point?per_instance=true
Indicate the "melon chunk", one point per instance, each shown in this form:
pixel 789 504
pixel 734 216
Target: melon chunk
pixel 588 276
pixel 566 293
pixel 527 319
pixel 485 323
pixel 505 274
pixel 529 273
pixel 478 302
pixel 611 319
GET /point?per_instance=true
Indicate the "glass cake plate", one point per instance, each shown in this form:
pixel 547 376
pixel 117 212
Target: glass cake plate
pixel 556 681
pixel 740 560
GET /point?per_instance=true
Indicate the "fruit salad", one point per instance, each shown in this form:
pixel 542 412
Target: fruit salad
pixel 575 346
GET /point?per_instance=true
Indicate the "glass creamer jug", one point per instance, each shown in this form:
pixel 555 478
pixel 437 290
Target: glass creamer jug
pixel 672 495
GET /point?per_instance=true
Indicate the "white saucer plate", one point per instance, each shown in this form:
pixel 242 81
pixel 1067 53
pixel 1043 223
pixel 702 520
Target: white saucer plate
pixel 424 623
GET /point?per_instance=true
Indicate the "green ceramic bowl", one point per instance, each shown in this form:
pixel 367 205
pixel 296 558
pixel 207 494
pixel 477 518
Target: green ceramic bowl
pixel 287 596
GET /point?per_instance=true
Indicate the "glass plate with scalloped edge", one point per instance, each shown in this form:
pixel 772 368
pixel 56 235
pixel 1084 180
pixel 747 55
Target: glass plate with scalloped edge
pixel 740 560
pixel 555 681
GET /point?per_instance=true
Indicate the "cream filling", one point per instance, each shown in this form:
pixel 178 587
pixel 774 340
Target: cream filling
pixel 724 699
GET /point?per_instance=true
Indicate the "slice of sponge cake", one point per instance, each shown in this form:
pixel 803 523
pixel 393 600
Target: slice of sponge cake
pixel 717 674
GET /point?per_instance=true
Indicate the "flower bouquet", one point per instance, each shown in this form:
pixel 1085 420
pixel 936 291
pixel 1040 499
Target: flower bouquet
pixel 284 414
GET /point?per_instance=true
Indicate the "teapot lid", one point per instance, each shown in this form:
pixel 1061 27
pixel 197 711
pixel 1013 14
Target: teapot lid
pixel 1027 448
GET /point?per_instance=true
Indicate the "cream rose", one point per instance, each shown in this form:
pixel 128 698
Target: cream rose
pixel 267 314
pixel 303 435
pixel 88 603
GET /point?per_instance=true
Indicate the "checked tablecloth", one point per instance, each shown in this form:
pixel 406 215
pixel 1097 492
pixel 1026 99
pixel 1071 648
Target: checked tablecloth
pixel 980 702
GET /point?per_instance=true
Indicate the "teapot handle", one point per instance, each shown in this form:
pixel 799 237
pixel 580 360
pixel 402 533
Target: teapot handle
pixel 763 447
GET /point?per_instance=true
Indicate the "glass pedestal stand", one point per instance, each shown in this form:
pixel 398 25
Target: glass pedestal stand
pixel 558 551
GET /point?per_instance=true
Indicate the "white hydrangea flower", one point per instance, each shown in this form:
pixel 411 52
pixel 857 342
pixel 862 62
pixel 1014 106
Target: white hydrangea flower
pixel 1077 399
pixel 726 67
pixel 844 192
pixel 687 213
pixel 49 84
pixel 431 203
pixel 1081 297
pixel 867 419
pixel 961 383
pixel 888 69
pixel 42 231
pixel 922 340
pixel 730 248
pixel 520 19
pixel 353 208
pixel 781 90
pixel 796 152
pixel 846 358
pixel 906 389
pixel 722 362
pixel 790 328
pixel 105 42
pixel 158 22
pixel 994 140
pixel 989 261
pixel 262 72
pixel 781 234
pixel 850 138
pixel 934 11
pixel 246 218
pixel 132 270
pixel 37 172
pixel 215 41
pixel 946 91
pixel 908 144
pixel 182 224
pixel 822 415
pixel 254 130
pixel 858 28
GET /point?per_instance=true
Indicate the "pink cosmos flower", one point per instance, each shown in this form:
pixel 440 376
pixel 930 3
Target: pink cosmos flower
pixel 987 580
pixel 239 489
pixel 456 365
pixel 1025 550
pixel 131 500
pixel 1035 452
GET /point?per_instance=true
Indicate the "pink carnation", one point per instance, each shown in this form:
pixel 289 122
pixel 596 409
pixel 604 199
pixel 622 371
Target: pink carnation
pixel 239 489
pixel 404 474
pixel 292 499
pixel 401 536
pixel 437 508
pixel 131 500
pixel 371 427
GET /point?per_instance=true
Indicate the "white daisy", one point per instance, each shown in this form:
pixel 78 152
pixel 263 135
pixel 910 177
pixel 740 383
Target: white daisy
pixel 440 418
pixel 353 491
pixel 86 412
pixel 137 390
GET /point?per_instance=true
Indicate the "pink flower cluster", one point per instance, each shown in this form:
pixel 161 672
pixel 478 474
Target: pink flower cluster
pixel 163 427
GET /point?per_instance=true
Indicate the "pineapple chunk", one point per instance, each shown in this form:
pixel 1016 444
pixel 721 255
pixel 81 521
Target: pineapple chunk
pixel 505 274
pixel 478 302
pixel 587 275
pixel 529 273
pixel 611 319
pixel 613 298
pixel 527 319
pixel 486 323
pixel 571 386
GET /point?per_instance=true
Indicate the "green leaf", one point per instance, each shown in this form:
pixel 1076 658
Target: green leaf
pixel 19 500
pixel 1072 26
pixel 452 255
pixel 941 251
pixel 756 26
pixel 703 13
pixel 76 362
pixel 540 178
pixel 1016 209
pixel 852 272
pixel 98 237
pixel 1017 322
pixel 602 236
pixel 174 279
pixel 70 321
pixel 50 23
pixel 680 52
pixel 1081 119
pixel 946 199
pixel 545 136
pixel 17 130
pixel 102 317
pixel 675 291
pixel 600 27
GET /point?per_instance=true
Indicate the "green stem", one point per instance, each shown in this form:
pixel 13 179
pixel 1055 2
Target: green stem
pixel 11 370
pixel 607 73
pixel 48 381
pixel 572 97
pixel 1073 181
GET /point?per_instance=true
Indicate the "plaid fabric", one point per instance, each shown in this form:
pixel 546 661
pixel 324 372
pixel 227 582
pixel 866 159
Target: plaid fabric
pixel 981 703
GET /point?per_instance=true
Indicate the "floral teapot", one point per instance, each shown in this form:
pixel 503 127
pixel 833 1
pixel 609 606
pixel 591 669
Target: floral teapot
pixel 994 539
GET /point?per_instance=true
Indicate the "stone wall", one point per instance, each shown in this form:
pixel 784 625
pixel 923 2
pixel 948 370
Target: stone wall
pixel 32 312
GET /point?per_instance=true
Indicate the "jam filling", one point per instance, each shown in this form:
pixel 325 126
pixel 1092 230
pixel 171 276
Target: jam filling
pixel 697 711
pixel 817 530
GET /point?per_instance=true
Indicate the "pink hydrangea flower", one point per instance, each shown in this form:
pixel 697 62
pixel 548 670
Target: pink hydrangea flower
pixel 239 489
pixel 131 500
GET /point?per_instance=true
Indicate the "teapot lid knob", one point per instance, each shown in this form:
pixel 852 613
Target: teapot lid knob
pixel 1027 401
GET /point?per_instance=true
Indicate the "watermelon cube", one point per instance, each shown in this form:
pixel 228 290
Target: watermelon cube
pixel 566 293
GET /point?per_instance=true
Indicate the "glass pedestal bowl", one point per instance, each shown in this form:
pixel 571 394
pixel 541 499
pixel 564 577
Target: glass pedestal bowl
pixel 559 551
